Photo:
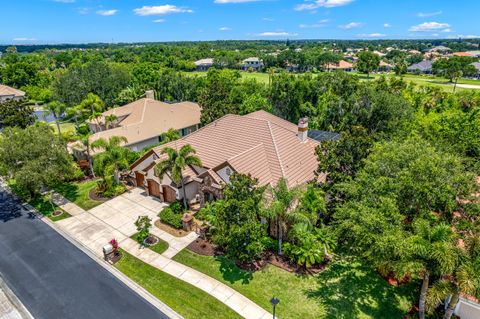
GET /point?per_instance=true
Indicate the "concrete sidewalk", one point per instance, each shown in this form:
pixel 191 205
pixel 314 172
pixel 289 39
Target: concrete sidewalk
pixel 96 227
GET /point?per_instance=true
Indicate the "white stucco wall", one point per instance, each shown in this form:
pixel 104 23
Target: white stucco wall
pixel 141 145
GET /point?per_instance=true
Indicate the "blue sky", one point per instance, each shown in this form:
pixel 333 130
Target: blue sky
pixel 80 21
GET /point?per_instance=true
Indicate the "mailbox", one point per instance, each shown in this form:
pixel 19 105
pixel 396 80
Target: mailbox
pixel 107 250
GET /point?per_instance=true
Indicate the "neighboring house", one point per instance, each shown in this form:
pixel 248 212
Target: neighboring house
pixel 253 63
pixel 385 67
pixel 341 65
pixel 467 309
pixel 260 144
pixel 477 66
pixel 204 64
pixel 143 122
pixel 424 66
pixel 9 93
pixel 474 53
pixel 439 49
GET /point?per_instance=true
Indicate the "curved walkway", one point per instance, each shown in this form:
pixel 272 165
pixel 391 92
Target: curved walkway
pixel 96 227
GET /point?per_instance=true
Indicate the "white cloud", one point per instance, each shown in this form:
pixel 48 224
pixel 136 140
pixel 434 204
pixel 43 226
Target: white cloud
pixel 24 39
pixel 372 35
pixel 107 12
pixel 268 19
pixel 224 29
pixel 319 24
pixel 312 5
pixel 160 10
pixel 83 11
pixel 429 26
pixel 387 25
pixel 234 1
pixel 159 21
pixel 64 1
pixel 351 25
pixel 276 34
pixel 428 14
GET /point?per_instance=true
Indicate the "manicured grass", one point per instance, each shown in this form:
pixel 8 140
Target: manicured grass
pixel 187 300
pixel 260 77
pixel 159 247
pixel 64 127
pixel 346 289
pixel 44 207
pixel 78 192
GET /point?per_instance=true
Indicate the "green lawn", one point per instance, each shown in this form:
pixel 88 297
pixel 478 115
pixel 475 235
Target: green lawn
pixel 187 300
pixel 159 247
pixel 64 127
pixel 78 192
pixel 260 77
pixel 346 289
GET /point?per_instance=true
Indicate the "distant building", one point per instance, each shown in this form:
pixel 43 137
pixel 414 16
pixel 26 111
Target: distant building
pixel 477 66
pixel 341 65
pixel 9 93
pixel 462 54
pixel 204 64
pixel 385 67
pixel 252 63
pixel 440 49
pixel 422 67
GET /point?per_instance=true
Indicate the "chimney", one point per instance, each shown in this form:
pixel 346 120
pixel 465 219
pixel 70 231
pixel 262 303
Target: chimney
pixel 150 94
pixel 303 129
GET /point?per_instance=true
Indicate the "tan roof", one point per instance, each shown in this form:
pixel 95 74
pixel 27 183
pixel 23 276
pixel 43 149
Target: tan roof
pixel 148 118
pixel 259 143
pixel 383 63
pixel 342 64
pixel 208 61
pixel 9 91
pixel 466 54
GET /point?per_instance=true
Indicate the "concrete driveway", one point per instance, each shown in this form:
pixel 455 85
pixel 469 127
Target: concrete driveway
pixel 122 211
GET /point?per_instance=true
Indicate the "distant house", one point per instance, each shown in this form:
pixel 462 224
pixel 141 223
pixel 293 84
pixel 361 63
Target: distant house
pixel 9 93
pixel 424 66
pixel 477 66
pixel 385 67
pixel 341 65
pixel 440 49
pixel 253 64
pixel 143 122
pixel 474 53
pixel 414 52
pixel 204 64
pixel 260 144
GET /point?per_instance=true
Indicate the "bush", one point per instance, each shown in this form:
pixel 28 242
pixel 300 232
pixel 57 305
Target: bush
pixel 269 243
pixel 176 207
pixel 143 224
pixel 168 216
pixel 114 190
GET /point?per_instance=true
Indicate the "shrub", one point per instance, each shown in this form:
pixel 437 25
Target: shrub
pixel 269 243
pixel 168 216
pixel 143 224
pixel 176 207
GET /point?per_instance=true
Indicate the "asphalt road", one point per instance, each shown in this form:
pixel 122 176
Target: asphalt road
pixel 54 279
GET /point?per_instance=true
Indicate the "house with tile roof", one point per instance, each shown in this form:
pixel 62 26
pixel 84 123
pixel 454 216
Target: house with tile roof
pixel 144 121
pixel 341 65
pixel 9 93
pixel 204 64
pixel 424 66
pixel 260 144
pixel 251 64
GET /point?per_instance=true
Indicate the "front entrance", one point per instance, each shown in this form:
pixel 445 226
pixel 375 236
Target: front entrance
pixel 169 194
pixel 140 179
pixel 153 188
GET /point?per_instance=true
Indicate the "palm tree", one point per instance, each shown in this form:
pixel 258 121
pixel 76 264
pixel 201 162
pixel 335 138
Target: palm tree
pixel 85 140
pixel 281 208
pixel 465 279
pixel 175 163
pixel 110 119
pixel 169 136
pixel 56 109
pixel 113 158
pixel 433 251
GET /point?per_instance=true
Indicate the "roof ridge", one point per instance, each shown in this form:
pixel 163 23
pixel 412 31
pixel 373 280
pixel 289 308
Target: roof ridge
pixel 276 149
pixel 246 151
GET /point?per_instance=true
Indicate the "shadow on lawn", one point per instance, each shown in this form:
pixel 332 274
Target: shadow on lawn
pixel 232 273
pixel 69 190
pixel 348 290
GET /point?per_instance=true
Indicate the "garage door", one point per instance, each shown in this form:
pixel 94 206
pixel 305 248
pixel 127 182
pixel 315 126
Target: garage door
pixel 140 178
pixel 169 194
pixel 153 188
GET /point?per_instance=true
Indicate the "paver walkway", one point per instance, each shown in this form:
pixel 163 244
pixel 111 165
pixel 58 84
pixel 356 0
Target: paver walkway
pixel 98 226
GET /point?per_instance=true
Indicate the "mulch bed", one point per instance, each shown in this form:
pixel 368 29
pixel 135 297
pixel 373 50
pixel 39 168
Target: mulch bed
pixel 94 196
pixel 203 247
pixel 390 278
pixel 151 240
pixel 169 229
pixel 115 258
pixel 57 213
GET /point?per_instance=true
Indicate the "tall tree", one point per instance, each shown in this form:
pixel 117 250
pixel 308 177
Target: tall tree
pixel 175 163
pixel 367 62
pixel 16 113
pixel 113 157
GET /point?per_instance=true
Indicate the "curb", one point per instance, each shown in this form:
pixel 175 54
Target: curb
pixel 169 312
pixel 22 310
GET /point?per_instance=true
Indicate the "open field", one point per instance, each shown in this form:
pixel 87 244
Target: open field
pixel 346 289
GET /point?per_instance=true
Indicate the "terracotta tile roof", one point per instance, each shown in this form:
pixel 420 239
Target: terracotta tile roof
pixel 261 144
pixel 148 118
pixel 342 64
pixel 9 91
pixel 466 54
